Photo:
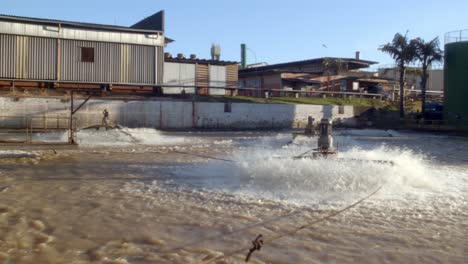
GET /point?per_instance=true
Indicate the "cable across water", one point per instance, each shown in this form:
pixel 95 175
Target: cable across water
pixel 258 245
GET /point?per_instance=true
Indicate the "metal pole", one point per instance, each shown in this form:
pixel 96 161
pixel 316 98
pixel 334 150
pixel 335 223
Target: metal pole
pixel 58 64
pixel 70 122
pixel 30 131
pixel 27 134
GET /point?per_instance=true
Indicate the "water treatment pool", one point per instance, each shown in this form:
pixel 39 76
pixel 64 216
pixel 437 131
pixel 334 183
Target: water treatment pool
pixel 140 196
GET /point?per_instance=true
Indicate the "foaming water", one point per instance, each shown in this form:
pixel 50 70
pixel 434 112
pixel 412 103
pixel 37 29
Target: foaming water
pixel 161 204
pixel 407 177
pixel 115 137
pixel 127 136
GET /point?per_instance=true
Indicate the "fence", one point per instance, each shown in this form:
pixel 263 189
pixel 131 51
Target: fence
pixel 22 129
pixel 265 92
pixel 456 36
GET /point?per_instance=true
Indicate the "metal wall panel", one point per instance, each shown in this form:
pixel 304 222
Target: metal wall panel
pixel 51 31
pixel 16 28
pixel 179 74
pixel 113 63
pixel 159 62
pixel 7 56
pixel 232 76
pixel 35 58
pixel 217 79
pixel 42 58
pixel 202 72
pixel 23 57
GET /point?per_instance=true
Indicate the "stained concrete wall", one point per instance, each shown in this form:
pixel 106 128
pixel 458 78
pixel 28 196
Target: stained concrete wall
pixel 171 114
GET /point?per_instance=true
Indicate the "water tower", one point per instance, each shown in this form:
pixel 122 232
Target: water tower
pixel 215 52
pixel 456 77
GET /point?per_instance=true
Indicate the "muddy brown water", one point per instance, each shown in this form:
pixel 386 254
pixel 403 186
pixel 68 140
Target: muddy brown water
pixel 143 203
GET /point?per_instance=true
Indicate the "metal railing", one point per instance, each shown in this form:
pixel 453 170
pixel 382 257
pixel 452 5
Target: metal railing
pixel 456 36
pixel 20 129
pixel 413 65
pixel 260 92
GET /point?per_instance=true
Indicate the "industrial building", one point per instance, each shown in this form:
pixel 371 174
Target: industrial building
pixel 56 54
pixel 435 81
pixel 309 76
pixel 199 76
pixel 456 77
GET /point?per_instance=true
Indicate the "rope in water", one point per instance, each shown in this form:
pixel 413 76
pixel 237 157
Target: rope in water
pixel 202 156
pixel 228 160
pixel 258 243
pixel 305 153
pixel 245 228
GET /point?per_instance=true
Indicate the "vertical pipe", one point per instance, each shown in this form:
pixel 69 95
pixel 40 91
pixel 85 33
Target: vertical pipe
pixel 196 79
pixel 155 63
pixel 27 132
pixel 57 64
pixel 243 56
pixel 194 115
pixel 30 132
pixel 70 122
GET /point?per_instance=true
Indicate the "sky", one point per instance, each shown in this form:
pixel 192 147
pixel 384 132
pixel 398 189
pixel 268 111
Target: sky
pixel 275 31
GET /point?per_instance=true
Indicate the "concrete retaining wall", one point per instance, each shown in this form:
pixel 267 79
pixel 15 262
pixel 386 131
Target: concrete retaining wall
pixel 174 114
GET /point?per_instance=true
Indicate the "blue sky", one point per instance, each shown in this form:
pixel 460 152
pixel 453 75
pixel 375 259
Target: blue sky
pixel 275 31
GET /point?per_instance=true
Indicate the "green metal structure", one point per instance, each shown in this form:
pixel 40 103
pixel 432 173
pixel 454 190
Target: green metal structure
pixel 243 56
pixel 456 77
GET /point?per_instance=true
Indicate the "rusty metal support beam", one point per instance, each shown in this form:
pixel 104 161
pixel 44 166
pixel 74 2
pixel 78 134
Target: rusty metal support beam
pixel 81 105
pixel 71 138
pixel 71 130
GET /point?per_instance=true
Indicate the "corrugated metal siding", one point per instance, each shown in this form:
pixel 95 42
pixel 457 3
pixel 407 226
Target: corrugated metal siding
pixel 159 62
pixel 113 63
pixel 35 58
pixel 142 68
pixel 232 76
pixel 23 57
pixel 124 64
pixel 7 56
pixel 42 60
pixel 202 79
pixel 217 79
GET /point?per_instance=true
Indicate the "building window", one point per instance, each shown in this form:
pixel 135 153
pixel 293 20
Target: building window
pixel 87 54
pixel 227 108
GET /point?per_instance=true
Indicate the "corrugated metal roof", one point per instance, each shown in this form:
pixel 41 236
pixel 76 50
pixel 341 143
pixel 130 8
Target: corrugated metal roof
pixel 362 63
pixel 74 24
pixel 324 79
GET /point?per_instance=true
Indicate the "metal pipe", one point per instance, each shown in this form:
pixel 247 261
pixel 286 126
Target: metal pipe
pixel 191 86
pixel 71 140
pixel 58 63
pixel 81 105
pixel 243 56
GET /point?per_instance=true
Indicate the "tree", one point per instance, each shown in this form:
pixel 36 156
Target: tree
pixel 403 52
pixel 333 66
pixel 427 53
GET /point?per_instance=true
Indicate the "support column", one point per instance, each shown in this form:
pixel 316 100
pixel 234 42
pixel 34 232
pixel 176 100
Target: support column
pixel 71 138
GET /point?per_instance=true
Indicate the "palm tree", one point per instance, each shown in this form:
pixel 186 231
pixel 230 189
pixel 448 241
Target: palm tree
pixel 403 52
pixel 427 53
